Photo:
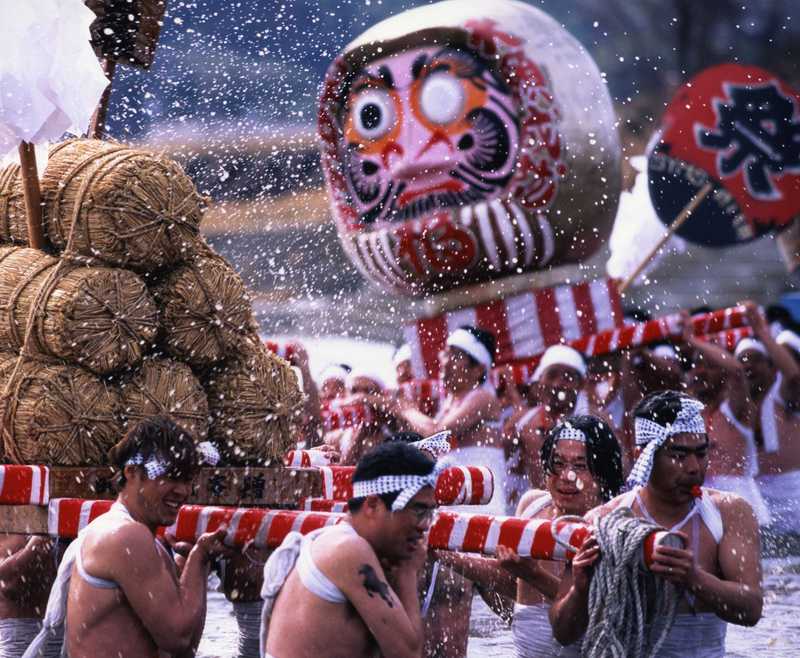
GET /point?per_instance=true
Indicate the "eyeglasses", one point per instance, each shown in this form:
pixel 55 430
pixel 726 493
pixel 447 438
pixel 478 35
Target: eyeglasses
pixel 421 513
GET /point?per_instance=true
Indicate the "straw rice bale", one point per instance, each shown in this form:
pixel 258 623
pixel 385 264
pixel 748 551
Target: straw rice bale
pixel 205 310
pixel 255 402
pixel 131 208
pixel 13 218
pixel 101 318
pixel 57 415
pixel 165 387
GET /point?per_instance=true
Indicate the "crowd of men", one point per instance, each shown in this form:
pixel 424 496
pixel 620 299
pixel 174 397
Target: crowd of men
pixel 688 436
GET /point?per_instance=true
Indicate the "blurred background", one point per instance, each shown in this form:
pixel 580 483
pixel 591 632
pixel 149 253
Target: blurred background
pixel 232 94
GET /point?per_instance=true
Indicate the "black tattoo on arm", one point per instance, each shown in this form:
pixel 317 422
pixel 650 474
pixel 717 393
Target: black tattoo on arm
pixel 374 585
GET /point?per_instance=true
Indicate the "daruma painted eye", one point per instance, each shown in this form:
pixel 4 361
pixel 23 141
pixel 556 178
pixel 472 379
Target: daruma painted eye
pixel 373 114
pixel 442 98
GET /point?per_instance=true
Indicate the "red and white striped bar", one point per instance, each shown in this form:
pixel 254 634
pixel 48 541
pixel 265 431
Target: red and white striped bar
pixel 457 485
pixel 524 325
pixel 305 459
pixel 728 339
pixel 323 505
pixel 66 517
pixel 24 485
pixel 344 416
pixel 540 539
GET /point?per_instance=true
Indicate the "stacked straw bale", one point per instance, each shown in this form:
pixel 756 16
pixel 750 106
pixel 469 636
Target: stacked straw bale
pixel 135 283
pixel 254 402
pixel 205 310
pixel 167 388
pixel 101 318
pixel 57 414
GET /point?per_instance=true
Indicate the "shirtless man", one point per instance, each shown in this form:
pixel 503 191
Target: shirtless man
pixel 469 411
pixel 558 381
pixel 582 461
pixel 717 379
pixel 770 370
pixel 27 570
pixel 402 365
pixel 720 568
pixel 350 590
pixel 123 597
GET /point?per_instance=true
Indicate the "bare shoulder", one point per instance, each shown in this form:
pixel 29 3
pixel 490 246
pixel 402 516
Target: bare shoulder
pixel 120 536
pixel 339 547
pixel 606 508
pixel 731 506
pixel 528 498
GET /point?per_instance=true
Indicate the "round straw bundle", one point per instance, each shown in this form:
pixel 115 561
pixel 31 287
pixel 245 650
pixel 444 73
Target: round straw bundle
pixel 205 310
pixel 57 415
pixel 13 220
pixel 130 208
pixel 101 318
pixel 254 402
pixel 166 387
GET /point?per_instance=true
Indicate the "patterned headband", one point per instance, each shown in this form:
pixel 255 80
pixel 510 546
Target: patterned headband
pixel 155 467
pixel 408 486
pixel 652 436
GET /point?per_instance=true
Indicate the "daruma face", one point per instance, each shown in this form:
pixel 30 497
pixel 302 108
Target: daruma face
pixel 450 155
pixel 425 130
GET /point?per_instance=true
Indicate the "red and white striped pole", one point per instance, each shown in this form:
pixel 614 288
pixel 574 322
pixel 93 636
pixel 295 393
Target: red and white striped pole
pixel 540 539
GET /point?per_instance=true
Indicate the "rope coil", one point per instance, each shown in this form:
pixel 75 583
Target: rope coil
pixel 624 599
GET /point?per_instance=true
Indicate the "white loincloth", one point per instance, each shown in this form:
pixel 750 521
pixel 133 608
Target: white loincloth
pixel 533 635
pixel 781 494
pixel 248 619
pixel 495 460
pixel 746 487
pixel 700 635
pixel 17 634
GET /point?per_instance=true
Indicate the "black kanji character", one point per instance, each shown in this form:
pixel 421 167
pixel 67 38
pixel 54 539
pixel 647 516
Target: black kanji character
pixel 756 130
pixel 252 487
pixel 217 485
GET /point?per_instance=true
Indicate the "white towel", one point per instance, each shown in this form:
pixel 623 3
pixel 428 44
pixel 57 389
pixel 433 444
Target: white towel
pixel 56 613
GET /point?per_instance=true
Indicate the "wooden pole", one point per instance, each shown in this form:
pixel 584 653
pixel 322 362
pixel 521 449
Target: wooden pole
pixel 33 195
pixel 684 215
pixel 98 123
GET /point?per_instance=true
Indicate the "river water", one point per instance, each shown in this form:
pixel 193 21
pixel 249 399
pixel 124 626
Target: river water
pixel 777 635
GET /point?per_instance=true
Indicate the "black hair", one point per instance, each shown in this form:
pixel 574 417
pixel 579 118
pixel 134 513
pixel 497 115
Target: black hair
pixel 700 310
pixel 661 407
pixel 393 458
pixel 603 452
pixel 159 436
pixel 486 339
pixel 637 314
pixel 405 437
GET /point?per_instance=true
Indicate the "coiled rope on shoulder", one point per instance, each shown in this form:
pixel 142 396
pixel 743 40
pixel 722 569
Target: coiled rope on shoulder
pixel 623 596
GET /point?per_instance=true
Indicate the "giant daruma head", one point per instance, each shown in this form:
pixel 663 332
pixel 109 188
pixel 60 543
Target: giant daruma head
pixel 465 142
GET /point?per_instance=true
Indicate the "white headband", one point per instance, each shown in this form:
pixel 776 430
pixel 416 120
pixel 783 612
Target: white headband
pixel 402 354
pixel 665 352
pixel 560 355
pixel 155 467
pixel 408 486
pixel 465 340
pixel 570 433
pixel 749 344
pixel 437 444
pixel 789 339
pixel 653 435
